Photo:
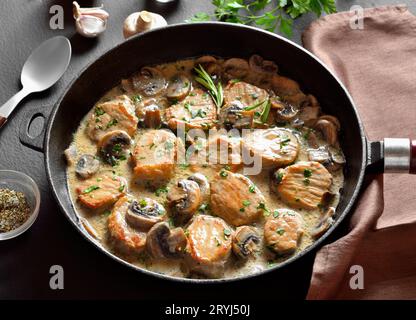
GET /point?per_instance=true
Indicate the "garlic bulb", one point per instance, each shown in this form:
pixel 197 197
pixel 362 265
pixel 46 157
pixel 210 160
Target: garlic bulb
pixel 142 21
pixel 90 22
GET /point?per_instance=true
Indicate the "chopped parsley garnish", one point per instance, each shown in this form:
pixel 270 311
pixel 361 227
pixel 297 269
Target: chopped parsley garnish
pixel 169 145
pixel 227 233
pixel 117 148
pixel 99 111
pixel 161 190
pixel 306 135
pixel 307 173
pixel 137 98
pixel 90 189
pixel 246 203
pixel 143 203
pixel 280 231
pixel 279 177
pixel 252 189
pixel 217 241
pixel 204 207
pixel 275 213
pixel 121 189
pixel 223 173
pixel 111 123
pixel 187 106
pixel 198 113
pixel 263 207
pixel 284 142
pixel 306 181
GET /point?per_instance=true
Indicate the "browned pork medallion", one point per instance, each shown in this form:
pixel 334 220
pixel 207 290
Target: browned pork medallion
pixel 161 170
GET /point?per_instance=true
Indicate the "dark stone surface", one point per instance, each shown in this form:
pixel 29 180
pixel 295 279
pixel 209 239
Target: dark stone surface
pixel 25 261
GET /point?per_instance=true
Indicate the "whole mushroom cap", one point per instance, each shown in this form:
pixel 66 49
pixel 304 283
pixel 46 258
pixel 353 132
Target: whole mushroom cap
pixel 138 22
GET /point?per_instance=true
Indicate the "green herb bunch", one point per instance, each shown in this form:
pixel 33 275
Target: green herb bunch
pixel 266 14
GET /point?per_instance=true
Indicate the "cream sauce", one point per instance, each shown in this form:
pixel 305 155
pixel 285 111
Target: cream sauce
pixel 96 220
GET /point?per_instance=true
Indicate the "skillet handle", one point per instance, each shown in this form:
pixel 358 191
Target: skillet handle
pixel 392 155
pixel 35 143
pixel 413 157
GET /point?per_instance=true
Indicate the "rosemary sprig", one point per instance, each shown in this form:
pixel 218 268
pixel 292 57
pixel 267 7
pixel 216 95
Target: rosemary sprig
pixel 215 91
pixel 266 109
pixel 265 113
pixel 254 106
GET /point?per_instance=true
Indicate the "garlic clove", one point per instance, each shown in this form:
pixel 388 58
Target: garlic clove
pixel 139 22
pixel 90 22
pixel 90 26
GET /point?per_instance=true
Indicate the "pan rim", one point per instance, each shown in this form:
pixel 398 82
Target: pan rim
pixel 316 245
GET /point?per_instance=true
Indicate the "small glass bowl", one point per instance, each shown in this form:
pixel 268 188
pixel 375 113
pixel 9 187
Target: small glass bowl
pixel 21 182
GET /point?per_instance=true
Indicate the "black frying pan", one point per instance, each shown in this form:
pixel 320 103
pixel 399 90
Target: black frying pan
pixel 227 40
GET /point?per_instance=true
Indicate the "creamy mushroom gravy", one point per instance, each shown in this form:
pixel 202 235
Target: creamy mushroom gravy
pixel 310 135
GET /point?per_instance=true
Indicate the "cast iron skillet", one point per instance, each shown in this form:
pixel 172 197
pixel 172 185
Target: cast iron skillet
pixel 226 40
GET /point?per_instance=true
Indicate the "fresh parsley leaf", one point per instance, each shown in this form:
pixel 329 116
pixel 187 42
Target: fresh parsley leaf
pixel 266 14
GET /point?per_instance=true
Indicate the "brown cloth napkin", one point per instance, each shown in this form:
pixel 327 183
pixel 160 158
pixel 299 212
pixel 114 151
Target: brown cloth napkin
pixel 378 66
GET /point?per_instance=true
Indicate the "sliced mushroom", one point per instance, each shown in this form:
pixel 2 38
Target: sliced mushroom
pixel 310 101
pixel 286 112
pixel 143 214
pixel 284 86
pixel 150 81
pixel 162 242
pixel 297 123
pixel 235 68
pixel 328 129
pixel 210 64
pixel 179 87
pixel 337 156
pixel 246 241
pixel 87 166
pixel 71 154
pixel 202 182
pixel 233 115
pixel 324 223
pixel 113 145
pixel 312 139
pixel 152 116
pixel 320 155
pixel 184 198
pixel 332 119
pixel 258 64
pixel 309 115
